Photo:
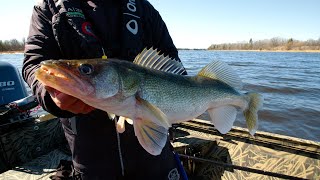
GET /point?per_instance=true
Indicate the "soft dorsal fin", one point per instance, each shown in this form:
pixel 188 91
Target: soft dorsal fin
pixel 151 58
pixel 221 71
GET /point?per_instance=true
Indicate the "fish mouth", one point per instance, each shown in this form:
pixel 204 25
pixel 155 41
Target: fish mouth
pixel 53 72
pixel 63 80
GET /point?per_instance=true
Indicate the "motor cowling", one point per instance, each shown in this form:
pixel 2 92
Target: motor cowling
pixel 12 87
pixel 14 100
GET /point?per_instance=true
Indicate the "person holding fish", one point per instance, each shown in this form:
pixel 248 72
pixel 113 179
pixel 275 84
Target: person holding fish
pixel 116 95
pixel 101 146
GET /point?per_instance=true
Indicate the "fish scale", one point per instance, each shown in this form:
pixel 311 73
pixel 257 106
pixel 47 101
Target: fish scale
pixel 173 99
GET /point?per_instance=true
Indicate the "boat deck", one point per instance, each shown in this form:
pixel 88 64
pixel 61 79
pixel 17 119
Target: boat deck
pixel 40 168
pixel 273 154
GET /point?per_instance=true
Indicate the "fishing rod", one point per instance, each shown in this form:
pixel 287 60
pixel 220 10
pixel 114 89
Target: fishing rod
pixel 247 169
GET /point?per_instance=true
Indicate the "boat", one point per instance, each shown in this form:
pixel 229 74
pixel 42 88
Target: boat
pixel 33 146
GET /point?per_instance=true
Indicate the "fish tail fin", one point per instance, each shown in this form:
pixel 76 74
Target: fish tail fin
pixel 255 102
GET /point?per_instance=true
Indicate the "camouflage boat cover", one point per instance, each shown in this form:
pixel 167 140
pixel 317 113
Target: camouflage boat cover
pixel 25 141
pixel 40 168
pixel 268 152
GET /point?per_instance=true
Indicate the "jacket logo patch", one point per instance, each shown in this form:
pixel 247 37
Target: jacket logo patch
pixel 75 12
pixel 87 29
pixel 92 4
pixel 132 24
pixel 174 174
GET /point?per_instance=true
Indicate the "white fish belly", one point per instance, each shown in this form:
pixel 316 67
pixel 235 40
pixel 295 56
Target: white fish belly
pixel 185 112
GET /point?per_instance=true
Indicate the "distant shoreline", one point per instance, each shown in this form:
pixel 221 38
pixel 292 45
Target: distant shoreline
pixel 294 51
pixel 306 51
pixel 11 52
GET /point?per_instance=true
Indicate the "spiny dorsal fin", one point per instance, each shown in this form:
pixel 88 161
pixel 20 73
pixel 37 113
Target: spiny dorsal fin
pixel 221 71
pixel 151 58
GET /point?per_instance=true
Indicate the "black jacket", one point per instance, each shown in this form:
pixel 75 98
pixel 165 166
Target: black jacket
pixel 73 29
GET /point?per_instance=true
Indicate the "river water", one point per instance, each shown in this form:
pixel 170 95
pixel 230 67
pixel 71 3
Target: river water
pixel 289 83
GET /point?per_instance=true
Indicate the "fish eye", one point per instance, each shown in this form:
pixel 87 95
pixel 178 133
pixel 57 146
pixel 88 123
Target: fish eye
pixel 86 69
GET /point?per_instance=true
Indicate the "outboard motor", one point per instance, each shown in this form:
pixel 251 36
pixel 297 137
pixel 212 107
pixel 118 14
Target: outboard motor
pixel 23 134
pixel 14 100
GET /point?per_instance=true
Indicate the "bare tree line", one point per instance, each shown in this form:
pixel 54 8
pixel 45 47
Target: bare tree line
pixel 276 44
pixel 12 45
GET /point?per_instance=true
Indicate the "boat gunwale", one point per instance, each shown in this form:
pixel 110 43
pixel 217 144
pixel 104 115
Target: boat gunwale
pixel 288 144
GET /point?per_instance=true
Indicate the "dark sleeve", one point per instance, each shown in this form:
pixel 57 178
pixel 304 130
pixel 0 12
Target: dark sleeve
pixel 40 46
pixel 159 33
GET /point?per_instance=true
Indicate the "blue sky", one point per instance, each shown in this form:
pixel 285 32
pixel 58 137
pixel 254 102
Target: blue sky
pixel 198 24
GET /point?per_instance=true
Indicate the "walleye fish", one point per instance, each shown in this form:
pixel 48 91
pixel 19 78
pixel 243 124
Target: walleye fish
pixel 152 92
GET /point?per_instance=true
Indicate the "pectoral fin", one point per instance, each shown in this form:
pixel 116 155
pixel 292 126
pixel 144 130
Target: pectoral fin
pixel 152 113
pixel 151 136
pixel 150 126
pixel 223 118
